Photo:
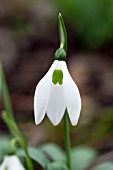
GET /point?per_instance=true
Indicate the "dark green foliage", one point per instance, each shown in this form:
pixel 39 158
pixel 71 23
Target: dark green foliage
pixel 91 20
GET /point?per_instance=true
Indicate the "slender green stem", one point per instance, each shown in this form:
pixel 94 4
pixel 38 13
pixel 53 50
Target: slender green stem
pixel 9 118
pixel 63 44
pixel 5 92
pixel 67 140
pixel 16 133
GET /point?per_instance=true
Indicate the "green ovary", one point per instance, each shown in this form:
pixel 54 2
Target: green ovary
pixel 57 77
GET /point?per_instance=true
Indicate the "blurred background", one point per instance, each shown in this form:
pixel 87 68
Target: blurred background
pixel 28 40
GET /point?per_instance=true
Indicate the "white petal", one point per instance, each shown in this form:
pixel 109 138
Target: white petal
pixel 11 163
pixel 58 65
pixel 56 106
pixel 72 96
pixel 42 95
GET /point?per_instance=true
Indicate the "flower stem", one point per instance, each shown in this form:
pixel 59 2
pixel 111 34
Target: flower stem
pixel 8 118
pixel 11 124
pixel 5 92
pixel 67 140
pixel 63 44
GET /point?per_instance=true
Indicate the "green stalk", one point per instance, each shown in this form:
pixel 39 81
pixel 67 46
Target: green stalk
pixel 5 92
pixel 15 131
pixel 9 119
pixel 67 140
pixel 63 44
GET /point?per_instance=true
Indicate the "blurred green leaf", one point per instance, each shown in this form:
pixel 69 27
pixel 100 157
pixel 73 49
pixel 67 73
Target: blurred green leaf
pixel 21 156
pixel 82 156
pixel 36 155
pixel 4 143
pixel 90 20
pixel 104 166
pixel 57 166
pixel 54 152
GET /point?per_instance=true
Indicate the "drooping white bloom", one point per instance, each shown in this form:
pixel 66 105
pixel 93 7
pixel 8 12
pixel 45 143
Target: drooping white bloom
pixel 55 93
pixel 11 163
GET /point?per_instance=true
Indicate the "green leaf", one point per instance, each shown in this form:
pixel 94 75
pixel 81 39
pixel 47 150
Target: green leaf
pixel 57 166
pixel 53 152
pixel 38 156
pixel 104 166
pixel 4 143
pixel 21 155
pixel 82 156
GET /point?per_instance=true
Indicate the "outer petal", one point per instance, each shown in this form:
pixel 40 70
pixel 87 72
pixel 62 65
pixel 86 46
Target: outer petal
pixel 42 95
pixel 56 106
pixel 11 162
pixel 72 96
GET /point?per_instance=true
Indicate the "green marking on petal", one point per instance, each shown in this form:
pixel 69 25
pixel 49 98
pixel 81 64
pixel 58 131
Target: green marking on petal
pixel 6 168
pixel 57 77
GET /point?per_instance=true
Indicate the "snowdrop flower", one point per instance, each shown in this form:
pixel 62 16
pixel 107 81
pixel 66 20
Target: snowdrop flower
pixel 11 163
pixel 55 93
